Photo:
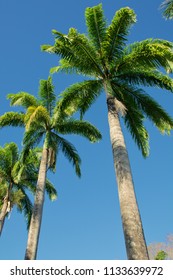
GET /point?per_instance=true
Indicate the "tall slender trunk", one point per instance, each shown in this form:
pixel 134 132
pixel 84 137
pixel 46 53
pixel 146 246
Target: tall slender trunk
pixel 133 232
pixel 5 208
pixel 35 224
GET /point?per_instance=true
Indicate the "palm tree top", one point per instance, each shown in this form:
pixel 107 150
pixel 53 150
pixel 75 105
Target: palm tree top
pixel 167 9
pixel 104 56
pixel 19 177
pixel 43 117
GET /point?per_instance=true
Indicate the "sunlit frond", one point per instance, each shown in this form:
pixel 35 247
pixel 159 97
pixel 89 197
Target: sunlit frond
pixel 148 53
pixel 23 99
pixel 116 33
pixel 37 116
pixel 46 93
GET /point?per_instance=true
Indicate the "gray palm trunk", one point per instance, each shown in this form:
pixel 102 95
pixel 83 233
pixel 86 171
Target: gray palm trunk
pixel 35 224
pixel 3 213
pixel 132 226
pixel 6 208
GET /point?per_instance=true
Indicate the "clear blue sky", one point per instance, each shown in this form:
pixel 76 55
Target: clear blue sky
pixel 84 223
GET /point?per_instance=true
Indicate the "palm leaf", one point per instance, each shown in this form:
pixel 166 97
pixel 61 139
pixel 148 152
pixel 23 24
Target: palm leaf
pixel 167 9
pixel 79 96
pixel 23 99
pixel 96 25
pixel 26 207
pixel 153 111
pixel 146 78
pixel 82 128
pixel 46 93
pixel 116 34
pixel 37 116
pixel 70 153
pixel 147 53
pixel 134 123
pixel 12 119
pixel 51 191
pixel 31 138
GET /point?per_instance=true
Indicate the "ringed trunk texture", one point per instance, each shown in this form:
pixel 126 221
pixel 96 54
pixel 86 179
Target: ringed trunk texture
pixel 132 226
pixel 35 224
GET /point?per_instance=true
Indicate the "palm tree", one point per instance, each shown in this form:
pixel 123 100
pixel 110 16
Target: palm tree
pixel 118 69
pixel 15 179
pixel 44 120
pixel 167 8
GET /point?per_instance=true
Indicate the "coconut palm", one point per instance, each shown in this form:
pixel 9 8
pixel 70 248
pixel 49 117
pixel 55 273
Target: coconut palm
pixel 118 69
pixel 16 178
pixel 167 9
pixel 43 120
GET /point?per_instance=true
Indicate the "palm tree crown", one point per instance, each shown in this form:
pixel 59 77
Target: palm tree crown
pixel 43 118
pixel 16 179
pixel 118 67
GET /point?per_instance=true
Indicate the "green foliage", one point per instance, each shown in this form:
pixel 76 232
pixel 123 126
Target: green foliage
pixel 105 57
pixel 17 178
pixel 45 118
pixel 167 8
pixel 166 247
pixel 161 255
pixel 96 25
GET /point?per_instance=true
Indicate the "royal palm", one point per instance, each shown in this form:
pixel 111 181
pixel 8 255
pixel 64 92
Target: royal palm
pixel 118 69
pixel 43 120
pixel 16 178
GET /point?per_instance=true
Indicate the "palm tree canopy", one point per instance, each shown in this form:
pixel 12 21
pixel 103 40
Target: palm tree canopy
pixel 167 9
pixel 43 117
pixel 19 178
pixel 105 57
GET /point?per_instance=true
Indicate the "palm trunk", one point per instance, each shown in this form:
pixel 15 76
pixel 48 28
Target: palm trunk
pixel 35 224
pixel 6 207
pixel 132 226
pixel 3 213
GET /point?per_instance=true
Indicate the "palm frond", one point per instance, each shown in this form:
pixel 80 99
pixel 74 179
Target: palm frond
pixel 12 153
pixel 116 34
pixel 147 53
pixel 82 128
pixel 37 116
pixel 147 78
pixel 8 156
pixel 77 49
pixel 167 9
pixel 26 207
pixel 12 119
pixel 70 153
pixel 79 97
pixel 23 99
pixel 51 191
pixel 46 93
pixel 134 123
pixel 31 138
pixel 137 98
pixel 153 111
pixel 96 25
